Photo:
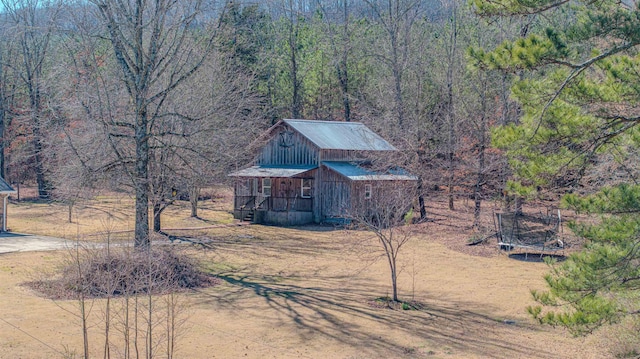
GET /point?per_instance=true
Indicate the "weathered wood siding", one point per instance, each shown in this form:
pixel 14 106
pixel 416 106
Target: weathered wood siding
pixel 403 190
pixel 342 155
pixel 284 218
pixel 335 195
pixel 292 149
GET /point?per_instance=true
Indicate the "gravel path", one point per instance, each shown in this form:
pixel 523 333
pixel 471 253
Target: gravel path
pixel 18 242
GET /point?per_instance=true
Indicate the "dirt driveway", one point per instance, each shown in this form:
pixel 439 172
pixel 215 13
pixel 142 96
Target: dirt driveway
pixel 18 242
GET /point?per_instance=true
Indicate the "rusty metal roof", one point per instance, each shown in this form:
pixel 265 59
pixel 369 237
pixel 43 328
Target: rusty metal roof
pixel 356 173
pixel 272 171
pixel 336 135
pixel 4 187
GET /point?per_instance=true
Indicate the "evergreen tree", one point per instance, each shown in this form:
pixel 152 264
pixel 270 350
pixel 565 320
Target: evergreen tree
pixel 580 98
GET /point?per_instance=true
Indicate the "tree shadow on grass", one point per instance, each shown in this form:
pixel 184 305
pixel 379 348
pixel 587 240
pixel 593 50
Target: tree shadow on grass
pixel 258 244
pixel 311 299
pixel 343 315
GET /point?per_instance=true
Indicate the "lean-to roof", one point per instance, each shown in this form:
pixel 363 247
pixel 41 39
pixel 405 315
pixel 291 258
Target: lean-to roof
pixel 356 173
pixel 278 171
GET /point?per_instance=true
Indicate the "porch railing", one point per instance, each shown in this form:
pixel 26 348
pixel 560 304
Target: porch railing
pixel 245 204
pixel 275 203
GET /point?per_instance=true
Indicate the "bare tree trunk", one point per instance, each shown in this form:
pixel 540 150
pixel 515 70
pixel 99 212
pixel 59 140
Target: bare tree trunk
pixel 172 307
pixel 344 74
pixel 450 106
pixel 518 204
pixel 107 322
pixel 157 214
pixel 2 131
pixel 342 55
pixel 127 326
pixel 135 325
pixel 391 258
pixel 296 100
pixel 397 79
pixel 142 180
pixel 35 103
pixel 149 341
pixel 421 204
pixel 477 197
pixel 397 73
pixel 83 305
pixel 194 193
pixel 43 184
pixel 394 281
pixel 4 83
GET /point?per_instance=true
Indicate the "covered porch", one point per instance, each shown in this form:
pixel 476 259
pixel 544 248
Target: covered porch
pixel 280 195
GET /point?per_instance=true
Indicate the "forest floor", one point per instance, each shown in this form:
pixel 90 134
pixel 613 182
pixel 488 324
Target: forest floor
pixel 301 292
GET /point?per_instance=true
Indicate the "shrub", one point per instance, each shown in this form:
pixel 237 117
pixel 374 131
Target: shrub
pixel 125 271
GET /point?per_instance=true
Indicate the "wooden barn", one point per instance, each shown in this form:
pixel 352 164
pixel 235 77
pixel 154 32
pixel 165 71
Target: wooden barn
pixel 313 171
pixel 5 191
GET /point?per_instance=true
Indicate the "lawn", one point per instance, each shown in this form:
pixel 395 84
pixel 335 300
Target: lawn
pixel 302 293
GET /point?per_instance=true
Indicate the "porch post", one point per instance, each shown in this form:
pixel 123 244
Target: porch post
pixel 4 213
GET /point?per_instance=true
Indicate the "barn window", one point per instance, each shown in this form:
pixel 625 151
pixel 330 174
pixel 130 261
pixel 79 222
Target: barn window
pixel 367 191
pixel 306 188
pixel 266 187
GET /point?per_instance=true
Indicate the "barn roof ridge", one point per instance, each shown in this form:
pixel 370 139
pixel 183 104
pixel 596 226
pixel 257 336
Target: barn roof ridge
pixel 340 135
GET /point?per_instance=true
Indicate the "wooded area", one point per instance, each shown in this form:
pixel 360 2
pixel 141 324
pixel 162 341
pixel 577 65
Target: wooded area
pixel 161 97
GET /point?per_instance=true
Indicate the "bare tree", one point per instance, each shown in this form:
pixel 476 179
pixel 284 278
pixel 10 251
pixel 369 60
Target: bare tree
pixel 195 126
pixel 339 32
pixel 290 17
pixel 387 214
pixel 7 88
pixel 450 114
pixel 33 24
pixel 229 119
pixel 156 48
pixel 142 314
pixel 396 19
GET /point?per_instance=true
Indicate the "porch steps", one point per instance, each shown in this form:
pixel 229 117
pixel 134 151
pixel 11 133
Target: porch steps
pixel 248 217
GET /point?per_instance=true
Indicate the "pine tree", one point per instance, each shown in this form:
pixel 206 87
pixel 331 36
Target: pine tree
pixel 580 95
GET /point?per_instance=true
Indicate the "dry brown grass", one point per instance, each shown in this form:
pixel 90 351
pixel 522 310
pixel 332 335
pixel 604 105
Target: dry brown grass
pixel 112 212
pixel 301 293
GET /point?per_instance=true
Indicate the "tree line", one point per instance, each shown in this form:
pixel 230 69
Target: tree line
pixel 155 97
